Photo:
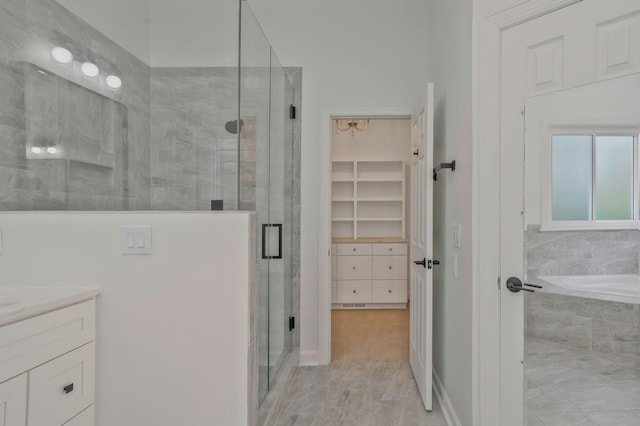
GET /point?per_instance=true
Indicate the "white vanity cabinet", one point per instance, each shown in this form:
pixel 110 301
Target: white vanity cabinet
pixel 47 368
pixel 13 401
pixel 369 273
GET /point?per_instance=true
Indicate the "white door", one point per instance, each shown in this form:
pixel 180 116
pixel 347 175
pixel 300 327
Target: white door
pixel 578 45
pixel 421 274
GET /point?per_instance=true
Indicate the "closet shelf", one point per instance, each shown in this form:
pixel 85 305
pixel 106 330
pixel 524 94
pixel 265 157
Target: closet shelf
pixel 368 199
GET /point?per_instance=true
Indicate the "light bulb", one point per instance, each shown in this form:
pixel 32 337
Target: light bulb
pixel 36 149
pixel 90 70
pixel 114 82
pixel 62 55
pixel 52 150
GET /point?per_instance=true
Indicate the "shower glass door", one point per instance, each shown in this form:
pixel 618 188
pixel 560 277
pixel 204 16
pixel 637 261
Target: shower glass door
pixel 280 216
pixel 265 185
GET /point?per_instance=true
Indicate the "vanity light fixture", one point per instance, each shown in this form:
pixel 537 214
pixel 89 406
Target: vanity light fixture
pixel 90 69
pixel 62 55
pixel 114 82
pixel 52 150
pixel 36 149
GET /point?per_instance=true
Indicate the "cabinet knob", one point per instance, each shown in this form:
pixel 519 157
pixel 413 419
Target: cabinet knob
pixel 354 249
pixel 354 268
pixel 389 291
pixel 390 249
pixel 354 292
pixel 68 388
pixel 389 267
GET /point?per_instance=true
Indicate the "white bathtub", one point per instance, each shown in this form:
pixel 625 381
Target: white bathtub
pixel 624 286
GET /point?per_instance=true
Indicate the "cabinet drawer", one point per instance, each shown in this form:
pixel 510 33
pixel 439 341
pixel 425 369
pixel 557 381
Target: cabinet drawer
pixel 13 401
pixel 26 344
pixel 391 249
pixel 389 291
pixel 354 268
pixel 62 388
pixel 390 267
pixel 86 418
pixel 354 249
pixel 354 292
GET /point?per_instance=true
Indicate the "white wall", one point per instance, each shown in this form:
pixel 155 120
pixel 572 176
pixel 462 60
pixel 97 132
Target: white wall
pixel 450 70
pixel 167 33
pixel 172 329
pixel 124 21
pixel 194 33
pixel 385 139
pixel 369 53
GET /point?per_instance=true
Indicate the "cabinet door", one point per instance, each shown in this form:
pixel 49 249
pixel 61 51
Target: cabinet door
pixel 62 388
pixel 86 418
pixel 389 291
pixel 13 401
pixel 390 249
pixel 354 249
pixel 354 268
pixel 354 292
pixel 390 267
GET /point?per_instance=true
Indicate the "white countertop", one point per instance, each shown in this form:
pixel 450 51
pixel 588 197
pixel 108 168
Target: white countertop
pixel 18 303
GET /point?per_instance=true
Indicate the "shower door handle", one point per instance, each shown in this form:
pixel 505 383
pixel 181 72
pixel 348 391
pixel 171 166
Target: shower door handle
pixel 267 251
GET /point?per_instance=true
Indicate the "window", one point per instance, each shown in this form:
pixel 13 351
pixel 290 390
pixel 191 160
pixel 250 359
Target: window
pixel 593 181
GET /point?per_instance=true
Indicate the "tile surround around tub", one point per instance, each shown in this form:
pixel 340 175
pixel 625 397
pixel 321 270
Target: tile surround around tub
pixel 581 252
pixel 589 324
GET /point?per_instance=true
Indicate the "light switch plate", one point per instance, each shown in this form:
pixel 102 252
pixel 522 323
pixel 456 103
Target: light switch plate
pixel 457 235
pixel 136 239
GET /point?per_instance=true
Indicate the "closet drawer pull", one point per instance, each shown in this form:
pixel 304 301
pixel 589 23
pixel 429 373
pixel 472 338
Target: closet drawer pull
pixel 354 292
pixel 390 267
pixel 389 291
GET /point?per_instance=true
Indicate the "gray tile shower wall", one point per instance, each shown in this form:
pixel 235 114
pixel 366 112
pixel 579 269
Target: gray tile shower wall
pixel 101 137
pixel 194 158
pixel 581 252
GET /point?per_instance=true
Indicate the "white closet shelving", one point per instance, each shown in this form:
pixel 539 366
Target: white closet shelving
pixel 367 199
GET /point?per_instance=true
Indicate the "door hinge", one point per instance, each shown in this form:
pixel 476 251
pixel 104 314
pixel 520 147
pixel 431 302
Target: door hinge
pixel 292 112
pixel 292 323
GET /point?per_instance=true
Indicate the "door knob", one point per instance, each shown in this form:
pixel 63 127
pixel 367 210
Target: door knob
pixel 422 262
pixel 515 285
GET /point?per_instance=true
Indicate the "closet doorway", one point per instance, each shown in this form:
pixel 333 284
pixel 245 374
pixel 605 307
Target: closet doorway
pixel 369 245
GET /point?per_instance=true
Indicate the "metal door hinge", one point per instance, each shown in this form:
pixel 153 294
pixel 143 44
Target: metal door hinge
pixel 292 112
pixel 292 323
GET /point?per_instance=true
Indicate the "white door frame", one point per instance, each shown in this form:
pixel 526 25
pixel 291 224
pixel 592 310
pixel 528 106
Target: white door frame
pixel 324 225
pixel 486 200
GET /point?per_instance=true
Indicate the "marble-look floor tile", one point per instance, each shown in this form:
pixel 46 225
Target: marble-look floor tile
pixel 571 386
pixel 356 394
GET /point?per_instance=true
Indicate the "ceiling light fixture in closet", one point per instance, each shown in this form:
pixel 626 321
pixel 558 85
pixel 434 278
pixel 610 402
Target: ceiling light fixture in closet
pixel 346 124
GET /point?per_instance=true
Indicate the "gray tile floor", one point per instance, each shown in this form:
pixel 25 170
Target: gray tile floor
pixel 567 386
pixel 356 394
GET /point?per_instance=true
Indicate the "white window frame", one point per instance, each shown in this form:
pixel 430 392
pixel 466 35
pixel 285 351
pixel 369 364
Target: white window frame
pixel 628 128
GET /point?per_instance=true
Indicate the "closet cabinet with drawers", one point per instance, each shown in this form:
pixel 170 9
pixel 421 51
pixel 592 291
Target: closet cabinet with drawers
pixel 369 263
pixel 370 273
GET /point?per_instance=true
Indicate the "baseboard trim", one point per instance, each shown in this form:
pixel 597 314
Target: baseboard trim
pixel 309 358
pixel 445 403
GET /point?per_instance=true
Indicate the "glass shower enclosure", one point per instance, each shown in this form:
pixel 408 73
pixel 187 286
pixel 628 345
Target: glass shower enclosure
pixel 163 116
pixel 266 108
